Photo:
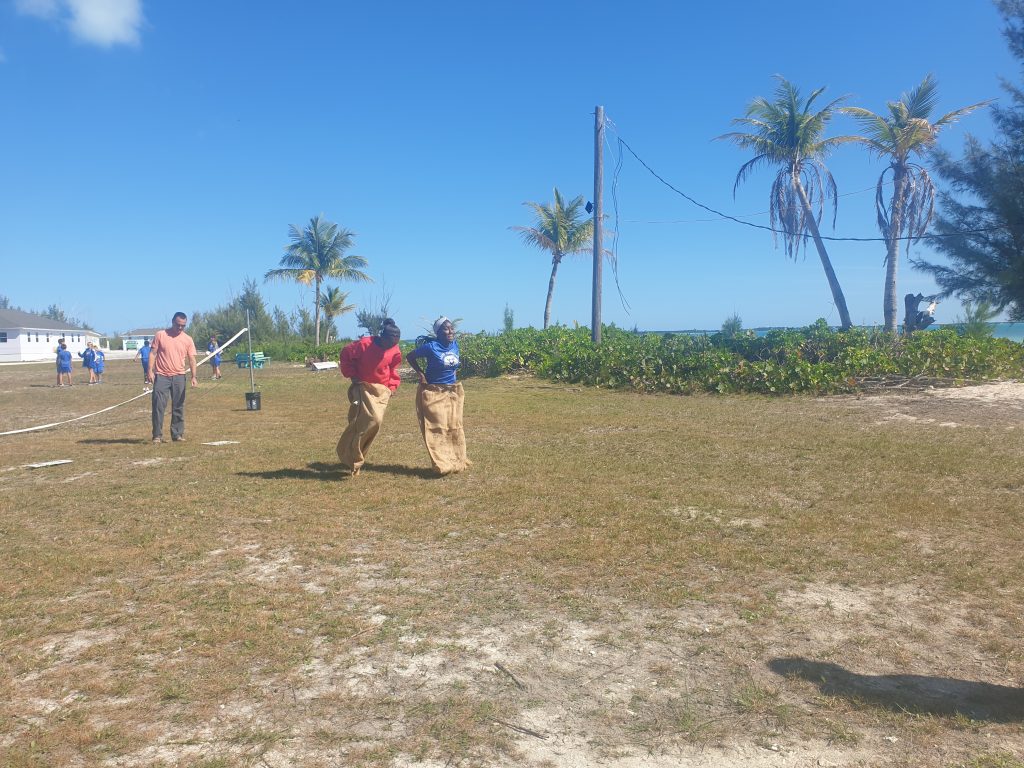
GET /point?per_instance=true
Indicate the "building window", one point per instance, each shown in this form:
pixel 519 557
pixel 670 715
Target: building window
pixel 3 337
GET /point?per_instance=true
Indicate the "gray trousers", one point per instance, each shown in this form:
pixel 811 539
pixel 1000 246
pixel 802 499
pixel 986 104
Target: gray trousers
pixel 169 388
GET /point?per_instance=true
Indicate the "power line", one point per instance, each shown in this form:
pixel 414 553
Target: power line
pixel 759 213
pixel 751 224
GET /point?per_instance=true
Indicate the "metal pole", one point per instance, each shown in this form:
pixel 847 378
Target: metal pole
pixel 248 336
pixel 595 319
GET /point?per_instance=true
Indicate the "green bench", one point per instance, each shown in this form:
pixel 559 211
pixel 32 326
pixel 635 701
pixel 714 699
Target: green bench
pixel 254 360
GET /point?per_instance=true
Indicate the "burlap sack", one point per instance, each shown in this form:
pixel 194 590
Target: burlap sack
pixel 367 403
pixel 439 408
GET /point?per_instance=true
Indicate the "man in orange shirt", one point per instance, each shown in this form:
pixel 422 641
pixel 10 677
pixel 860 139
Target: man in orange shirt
pixel 168 353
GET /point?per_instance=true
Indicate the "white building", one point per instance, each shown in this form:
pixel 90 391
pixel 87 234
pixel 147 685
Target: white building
pixel 136 338
pixel 25 337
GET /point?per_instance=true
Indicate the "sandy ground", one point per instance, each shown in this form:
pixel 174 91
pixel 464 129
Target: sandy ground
pixel 566 671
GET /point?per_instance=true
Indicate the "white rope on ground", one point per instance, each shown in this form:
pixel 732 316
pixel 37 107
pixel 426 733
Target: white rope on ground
pixel 112 407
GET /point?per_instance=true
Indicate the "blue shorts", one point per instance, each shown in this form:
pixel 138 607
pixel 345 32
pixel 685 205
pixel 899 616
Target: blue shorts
pixel 63 369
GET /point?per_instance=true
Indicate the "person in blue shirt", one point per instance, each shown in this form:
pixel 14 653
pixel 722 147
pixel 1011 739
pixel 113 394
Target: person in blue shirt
pixel 143 352
pixel 215 360
pixel 63 364
pixel 99 361
pixel 88 358
pixel 440 398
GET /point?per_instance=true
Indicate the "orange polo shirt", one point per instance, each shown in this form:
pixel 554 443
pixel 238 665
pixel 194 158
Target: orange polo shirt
pixel 170 353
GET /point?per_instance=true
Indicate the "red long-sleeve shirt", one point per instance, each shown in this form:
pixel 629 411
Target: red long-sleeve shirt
pixel 370 362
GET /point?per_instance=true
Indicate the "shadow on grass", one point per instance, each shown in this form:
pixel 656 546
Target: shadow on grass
pixel 915 694
pixel 318 470
pixel 400 469
pixel 115 441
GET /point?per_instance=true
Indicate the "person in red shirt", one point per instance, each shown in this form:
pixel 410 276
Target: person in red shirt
pixel 372 365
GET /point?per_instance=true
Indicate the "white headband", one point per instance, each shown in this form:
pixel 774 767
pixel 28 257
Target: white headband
pixel 440 322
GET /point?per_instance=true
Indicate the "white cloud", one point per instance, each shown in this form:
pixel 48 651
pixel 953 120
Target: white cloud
pixel 106 22
pixel 44 9
pixel 99 22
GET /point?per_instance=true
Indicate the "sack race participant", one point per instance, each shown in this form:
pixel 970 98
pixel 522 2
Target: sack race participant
pixel 440 399
pixel 372 365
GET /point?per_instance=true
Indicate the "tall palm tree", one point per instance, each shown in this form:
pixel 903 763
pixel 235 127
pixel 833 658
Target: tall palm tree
pixel 332 304
pixel 560 229
pixel 317 253
pixel 786 134
pixel 904 132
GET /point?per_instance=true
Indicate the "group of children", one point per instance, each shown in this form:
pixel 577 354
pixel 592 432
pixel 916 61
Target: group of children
pixel 93 359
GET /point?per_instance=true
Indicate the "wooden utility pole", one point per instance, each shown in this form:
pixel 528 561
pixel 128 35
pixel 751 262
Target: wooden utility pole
pixel 595 318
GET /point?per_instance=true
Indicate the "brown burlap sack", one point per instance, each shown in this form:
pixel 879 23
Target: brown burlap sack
pixel 439 408
pixel 367 403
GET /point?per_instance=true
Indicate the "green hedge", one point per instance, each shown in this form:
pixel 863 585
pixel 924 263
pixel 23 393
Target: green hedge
pixel 813 359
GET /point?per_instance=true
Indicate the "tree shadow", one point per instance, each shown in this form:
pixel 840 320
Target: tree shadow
pixel 114 441
pixel 916 694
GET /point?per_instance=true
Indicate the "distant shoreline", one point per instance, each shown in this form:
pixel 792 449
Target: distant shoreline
pixel 1012 331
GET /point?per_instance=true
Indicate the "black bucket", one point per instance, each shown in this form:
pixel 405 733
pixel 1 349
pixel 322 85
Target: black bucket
pixel 252 401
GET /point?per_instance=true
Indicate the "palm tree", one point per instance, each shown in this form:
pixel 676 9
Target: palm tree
pixel 332 304
pixel 905 131
pixel 317 253
pixel 786 134
pixel 561 230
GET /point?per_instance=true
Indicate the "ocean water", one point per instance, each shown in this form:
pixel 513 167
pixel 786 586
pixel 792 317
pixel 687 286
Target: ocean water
pixel 1011 331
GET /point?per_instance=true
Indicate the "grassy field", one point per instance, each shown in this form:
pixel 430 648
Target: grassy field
pixel 620 580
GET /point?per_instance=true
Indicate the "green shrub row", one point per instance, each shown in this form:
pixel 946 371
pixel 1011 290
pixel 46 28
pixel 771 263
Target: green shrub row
pixel 814 359
pixel 295 350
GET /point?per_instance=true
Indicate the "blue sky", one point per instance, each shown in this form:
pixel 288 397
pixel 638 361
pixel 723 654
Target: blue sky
pixel 155 153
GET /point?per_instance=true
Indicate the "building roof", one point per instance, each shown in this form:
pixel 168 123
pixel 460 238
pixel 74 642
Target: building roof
pixel 15 318
pixel 142 332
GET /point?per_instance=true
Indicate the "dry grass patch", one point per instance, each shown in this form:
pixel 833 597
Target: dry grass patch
pixel 644 580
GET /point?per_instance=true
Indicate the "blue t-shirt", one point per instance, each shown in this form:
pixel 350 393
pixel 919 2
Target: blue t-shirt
pixel 442 361
pixel 63 360
pixel 87 358
pixel 144 354
pixel 99 358
pixel 215 360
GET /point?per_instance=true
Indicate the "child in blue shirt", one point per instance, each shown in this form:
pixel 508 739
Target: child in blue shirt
pixel 143 353
pixel 88 358
pixel 215 360
pixel 63 365
pixel 98 363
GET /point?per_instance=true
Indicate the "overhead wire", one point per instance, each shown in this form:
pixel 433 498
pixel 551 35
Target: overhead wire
pixel 804 235
pixel 745 215
pixel 615 231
